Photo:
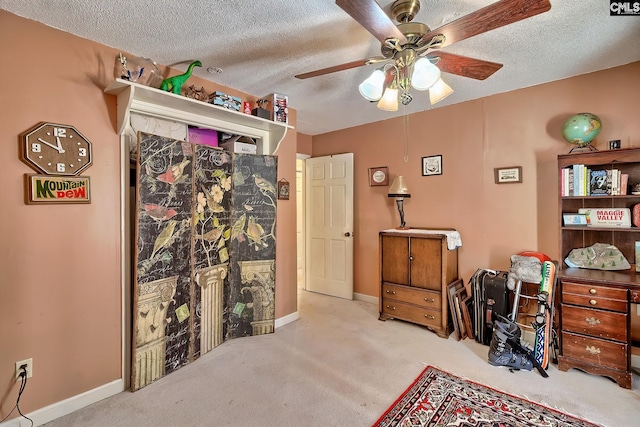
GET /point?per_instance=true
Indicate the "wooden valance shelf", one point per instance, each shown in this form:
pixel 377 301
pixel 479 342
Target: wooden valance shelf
pixel 137 98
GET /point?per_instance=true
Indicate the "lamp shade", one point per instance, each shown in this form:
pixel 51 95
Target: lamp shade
pixel 399 187
pixel 371 89
pixel 389 100
pixel 425 74
pixel 439 91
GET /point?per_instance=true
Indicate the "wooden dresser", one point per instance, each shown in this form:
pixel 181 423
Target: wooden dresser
pixel 595 323
pixel 415 268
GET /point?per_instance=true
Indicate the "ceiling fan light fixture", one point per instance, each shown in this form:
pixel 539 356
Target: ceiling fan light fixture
pixel 389 100
pixel 372 87
pixel 425 74
pixel 439 91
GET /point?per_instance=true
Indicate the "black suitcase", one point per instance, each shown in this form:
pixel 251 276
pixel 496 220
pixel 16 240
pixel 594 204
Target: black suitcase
pixel 490 298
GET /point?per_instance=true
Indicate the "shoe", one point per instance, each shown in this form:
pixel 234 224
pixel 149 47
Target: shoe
pixel 505 348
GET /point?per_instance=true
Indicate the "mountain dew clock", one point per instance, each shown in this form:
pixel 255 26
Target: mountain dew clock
pixel 56 149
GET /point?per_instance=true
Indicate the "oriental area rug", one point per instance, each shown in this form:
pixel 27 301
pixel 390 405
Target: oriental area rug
pixel 437 398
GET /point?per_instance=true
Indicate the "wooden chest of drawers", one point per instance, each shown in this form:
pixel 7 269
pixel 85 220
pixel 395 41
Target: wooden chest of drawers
pixel 415 269
pixel 595 329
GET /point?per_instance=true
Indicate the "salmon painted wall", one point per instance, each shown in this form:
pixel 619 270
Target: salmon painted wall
pixel 60 292
pixel 518 128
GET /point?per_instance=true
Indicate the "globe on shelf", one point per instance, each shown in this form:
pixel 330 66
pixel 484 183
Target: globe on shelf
pixel 581 129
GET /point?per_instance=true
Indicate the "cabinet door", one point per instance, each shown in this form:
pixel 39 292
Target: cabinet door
pixel 395 259
pixel 426 263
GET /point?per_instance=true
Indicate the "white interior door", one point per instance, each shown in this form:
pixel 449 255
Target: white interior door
pixel 329 225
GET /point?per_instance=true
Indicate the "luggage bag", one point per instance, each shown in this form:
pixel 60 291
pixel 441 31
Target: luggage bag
pixel 490 299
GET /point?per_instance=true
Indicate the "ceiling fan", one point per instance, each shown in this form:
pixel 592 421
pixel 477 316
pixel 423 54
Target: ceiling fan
pixel 410 49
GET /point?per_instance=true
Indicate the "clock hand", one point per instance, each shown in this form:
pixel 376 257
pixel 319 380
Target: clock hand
pixel 60 149
pixel 55 147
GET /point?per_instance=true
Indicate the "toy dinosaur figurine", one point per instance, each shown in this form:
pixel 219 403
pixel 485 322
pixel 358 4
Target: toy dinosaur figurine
pixel 174 84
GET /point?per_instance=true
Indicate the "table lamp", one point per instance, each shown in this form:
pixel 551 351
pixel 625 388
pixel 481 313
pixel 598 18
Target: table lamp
pixel 399 191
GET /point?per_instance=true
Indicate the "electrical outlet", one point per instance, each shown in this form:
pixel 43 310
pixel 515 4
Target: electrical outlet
pixel 29 363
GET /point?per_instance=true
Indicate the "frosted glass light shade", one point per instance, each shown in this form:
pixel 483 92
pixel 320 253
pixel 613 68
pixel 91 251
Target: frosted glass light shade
pixel 439 91
pixel 389 100
pixel 371 89
pixel 425 74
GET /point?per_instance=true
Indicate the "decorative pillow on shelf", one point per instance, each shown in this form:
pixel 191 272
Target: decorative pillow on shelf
pixel 599 256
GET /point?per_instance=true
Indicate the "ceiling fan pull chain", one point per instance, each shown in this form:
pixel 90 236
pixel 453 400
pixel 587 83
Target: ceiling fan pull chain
pixel 406 135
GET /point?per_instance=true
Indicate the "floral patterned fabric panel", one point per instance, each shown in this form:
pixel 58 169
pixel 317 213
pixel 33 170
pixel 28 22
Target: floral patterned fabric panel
pixel 252 245
pixel 162 295
pixel 204 252
pixel 211 234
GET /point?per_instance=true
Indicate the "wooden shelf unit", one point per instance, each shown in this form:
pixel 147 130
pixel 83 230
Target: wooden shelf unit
pixel 137 98
pixel 594 304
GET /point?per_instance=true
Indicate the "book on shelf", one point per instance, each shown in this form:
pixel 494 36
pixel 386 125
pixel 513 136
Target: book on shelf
pixel 615 183
pixel 598 183
pixel 624 184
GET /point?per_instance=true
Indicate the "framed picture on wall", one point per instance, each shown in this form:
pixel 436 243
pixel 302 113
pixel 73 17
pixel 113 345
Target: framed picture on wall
pixel 378 176
pixel 508 175
pixel 432 165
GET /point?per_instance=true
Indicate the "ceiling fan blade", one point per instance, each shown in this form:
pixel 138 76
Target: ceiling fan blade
pixel 496 15
pixel 464 66
pixel 335 68
pixel 370 15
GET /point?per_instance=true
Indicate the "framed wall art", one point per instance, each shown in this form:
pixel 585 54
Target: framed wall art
pixel 508 175
pixel 432 165
pixel 284 189
pixel 378 176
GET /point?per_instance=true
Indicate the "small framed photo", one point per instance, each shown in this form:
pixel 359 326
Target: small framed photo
pixel 284 189
pixel 574 219
pixel 509 175
pixel 378 176
pixel 432 165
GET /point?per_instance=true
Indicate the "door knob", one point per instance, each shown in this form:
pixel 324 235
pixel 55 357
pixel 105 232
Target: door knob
pixel 347 234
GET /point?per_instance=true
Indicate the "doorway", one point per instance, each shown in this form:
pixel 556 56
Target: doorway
pixel 300 221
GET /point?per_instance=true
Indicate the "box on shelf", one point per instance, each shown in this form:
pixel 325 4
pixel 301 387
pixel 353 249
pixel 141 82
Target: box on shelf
pixel 277 106
pixel 607 217
pixel 227 101
pixel 261 112
pixel 240 144
pixel 203 136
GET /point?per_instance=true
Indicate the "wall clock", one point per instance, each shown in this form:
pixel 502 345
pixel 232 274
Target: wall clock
pixel 56 149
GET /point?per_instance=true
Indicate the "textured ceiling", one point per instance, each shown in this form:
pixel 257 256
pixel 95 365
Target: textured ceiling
pixel 260 45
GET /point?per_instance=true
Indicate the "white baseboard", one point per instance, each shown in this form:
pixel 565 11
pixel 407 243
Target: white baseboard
pixel 67 406
pixel 281 321
pixel 365 298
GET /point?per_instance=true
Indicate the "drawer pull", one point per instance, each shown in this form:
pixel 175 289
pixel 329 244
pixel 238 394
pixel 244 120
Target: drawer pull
pixel 592 321
pixel 592 291
pixel 427 299
pixel 390 307
pixel 593 349
pixel 391 292
pixel 593 302
pixel 430 316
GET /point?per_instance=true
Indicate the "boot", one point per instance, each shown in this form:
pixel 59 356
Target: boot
pixel 505 348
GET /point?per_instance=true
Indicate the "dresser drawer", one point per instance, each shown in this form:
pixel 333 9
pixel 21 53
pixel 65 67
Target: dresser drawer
pixel 412 295
pixel 594 290
pixel 595 302
pixel 596 351
pixel 595 296
pixel 597 323
pixel 411 313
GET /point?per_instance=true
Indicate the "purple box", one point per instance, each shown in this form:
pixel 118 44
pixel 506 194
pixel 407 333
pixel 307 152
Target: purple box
pixel 203 136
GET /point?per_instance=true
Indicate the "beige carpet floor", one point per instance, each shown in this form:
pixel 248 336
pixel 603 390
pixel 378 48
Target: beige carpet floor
pixel 338 365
